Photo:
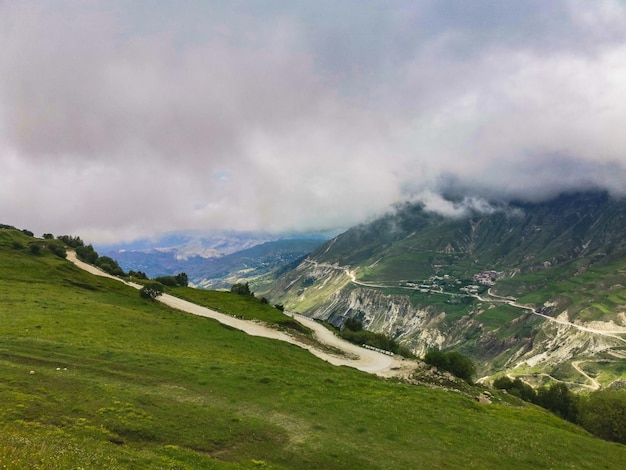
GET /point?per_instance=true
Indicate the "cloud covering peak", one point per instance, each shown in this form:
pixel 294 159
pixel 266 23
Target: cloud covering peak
pixel 122 119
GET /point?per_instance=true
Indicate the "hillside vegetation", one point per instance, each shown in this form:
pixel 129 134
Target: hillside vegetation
pixel 523 289
pixel 94 376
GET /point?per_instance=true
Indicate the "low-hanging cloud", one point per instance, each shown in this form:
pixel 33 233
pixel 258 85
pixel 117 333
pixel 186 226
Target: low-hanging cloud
pixel 120 120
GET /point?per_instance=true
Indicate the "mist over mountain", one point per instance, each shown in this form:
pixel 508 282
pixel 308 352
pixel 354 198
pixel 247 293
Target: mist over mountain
pixel 516 285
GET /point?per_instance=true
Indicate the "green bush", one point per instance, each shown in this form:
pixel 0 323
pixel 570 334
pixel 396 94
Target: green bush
pixel 453 362
pixel 137 274
pixel 376 340
pixel 353 324
pixel 70 241
pixel 109 265
pixel 516 388
pixel 151 291
pixel 86 253
pixel 167 280
pixel 182 279
pixel 603 413
pixel 560 400
pixel 241 289
pixel 58 250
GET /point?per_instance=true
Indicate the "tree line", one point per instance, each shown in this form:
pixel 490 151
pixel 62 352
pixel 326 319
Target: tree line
pixel 87 253
pixel 602 412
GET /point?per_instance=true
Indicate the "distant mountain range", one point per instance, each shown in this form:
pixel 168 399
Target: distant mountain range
pixel 214 261
pixel 534 289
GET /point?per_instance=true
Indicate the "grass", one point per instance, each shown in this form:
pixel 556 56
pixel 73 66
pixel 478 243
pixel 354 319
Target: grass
pixel 496 317
pixel 120 382
pixel 238 305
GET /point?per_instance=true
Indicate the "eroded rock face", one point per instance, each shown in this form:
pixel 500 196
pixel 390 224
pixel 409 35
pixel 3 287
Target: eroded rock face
pixel 519 251
pixel 393 315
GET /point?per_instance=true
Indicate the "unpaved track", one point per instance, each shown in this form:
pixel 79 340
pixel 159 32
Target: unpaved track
pixel 595 385
pixel 497 298
pixel 359 358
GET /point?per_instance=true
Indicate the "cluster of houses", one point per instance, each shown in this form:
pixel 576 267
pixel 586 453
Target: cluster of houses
pixel 485 278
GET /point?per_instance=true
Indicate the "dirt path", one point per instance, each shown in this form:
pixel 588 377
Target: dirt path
pixel 513 303
pixel 359 358
pixel 595 385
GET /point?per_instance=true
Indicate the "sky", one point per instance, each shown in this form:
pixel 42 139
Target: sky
pixel 127 119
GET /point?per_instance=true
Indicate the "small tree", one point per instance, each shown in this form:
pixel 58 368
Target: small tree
pixel 167 280
pixel 453 362
pixel 182 279
pixel 71 241
pixel 109 265
pixel 137 274
pixel 560 400
pixel 603 413
pixel 151 291
pixel 353 324
pixel 241 289
pixel 86 253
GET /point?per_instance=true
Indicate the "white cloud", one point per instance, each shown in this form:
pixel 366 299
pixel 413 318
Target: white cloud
pixel 120 120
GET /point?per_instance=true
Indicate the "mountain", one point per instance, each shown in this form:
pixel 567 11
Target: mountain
pixel 535 290
pixel 216 261
pixel 94 376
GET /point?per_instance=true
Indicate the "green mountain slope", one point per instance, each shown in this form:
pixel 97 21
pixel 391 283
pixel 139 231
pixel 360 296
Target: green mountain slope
pixel 427 280
pixel 93 376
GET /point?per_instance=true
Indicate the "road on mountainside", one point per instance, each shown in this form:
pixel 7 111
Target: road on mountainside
pixel 507 300
pixel 363 359
pixel 492 298
pixel 595 385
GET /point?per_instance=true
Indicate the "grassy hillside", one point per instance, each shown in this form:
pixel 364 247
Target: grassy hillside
pixel 426 281
pixel 93 376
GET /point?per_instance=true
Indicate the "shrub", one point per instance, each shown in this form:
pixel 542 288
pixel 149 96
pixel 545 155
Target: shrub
pixel 603 413
pixel 353 324
pixel 167 280
pixel 151 290
pixel 182 279
pixel 58 250
pixel 560 400
pixel 137 274
pixel 173 281
pixel 71 241
pixel 453 362
pixel 86 253
pixel 517 388
pixel 109 265
pixel 241 289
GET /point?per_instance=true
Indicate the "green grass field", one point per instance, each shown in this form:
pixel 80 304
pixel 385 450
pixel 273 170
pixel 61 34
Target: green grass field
pixel 94 377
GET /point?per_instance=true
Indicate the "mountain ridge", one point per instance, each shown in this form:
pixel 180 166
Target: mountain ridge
pixel 434 281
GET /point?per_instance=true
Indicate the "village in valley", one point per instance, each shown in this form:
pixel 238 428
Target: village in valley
pixel 456 288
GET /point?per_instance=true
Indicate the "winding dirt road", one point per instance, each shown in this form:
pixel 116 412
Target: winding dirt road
pixel 507 300
pixel 363 359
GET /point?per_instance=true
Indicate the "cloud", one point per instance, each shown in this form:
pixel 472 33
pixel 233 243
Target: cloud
pixel 124 119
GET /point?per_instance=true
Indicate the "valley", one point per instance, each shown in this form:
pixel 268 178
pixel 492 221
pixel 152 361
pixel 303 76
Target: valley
pixel 526 290
pixel 351 355
pixel 94 376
